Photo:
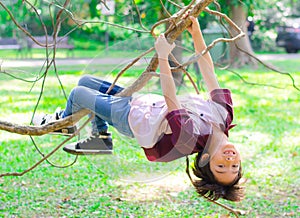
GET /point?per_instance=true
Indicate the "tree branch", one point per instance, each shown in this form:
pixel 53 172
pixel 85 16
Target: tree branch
pixel 43 129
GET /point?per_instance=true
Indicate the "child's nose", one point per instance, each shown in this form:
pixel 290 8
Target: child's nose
pixel 230 158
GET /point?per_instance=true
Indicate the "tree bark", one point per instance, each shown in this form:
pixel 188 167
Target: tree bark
pixel 46 128
pixel 177 52
pixel 237 57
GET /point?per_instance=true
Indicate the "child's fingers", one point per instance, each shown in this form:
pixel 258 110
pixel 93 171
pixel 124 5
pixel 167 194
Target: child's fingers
pixel 193 19
pixel 186 14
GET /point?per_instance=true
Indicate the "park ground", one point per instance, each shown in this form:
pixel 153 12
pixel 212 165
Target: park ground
pixel 125 184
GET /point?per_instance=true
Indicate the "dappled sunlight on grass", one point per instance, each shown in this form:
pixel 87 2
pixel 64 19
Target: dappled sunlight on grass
pixel 291 140
pixel 6 137
pixel 255 138
pixel 126 183
pixel 156 190
pixel 17 118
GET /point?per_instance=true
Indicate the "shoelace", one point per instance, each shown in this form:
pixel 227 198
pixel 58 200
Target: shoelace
pixel 58 113
pixel 88 139
pixel 51 117
pixel 46 119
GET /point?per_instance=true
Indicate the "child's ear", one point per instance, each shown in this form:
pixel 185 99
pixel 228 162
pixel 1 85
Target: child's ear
pixel 204 159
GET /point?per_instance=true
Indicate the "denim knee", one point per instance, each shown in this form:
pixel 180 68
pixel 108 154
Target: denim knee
pixel 79 98
pixel 84 80
pixel 84 97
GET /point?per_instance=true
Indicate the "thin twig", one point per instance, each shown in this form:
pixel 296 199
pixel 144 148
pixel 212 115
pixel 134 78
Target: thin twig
pixel 224 206
pixel 195 57
pixel 166 20
pixel 139 16
pixel 48 161
pixel 252 83
pixel 165 9
pixel 271 68
pixel 232 24
pixel 82 22
pixel 175 4
pixel 127 67
pixel 173 58
pixel 16 77
pixel 22 28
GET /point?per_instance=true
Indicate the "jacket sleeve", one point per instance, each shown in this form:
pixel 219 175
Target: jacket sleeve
pixel 223 97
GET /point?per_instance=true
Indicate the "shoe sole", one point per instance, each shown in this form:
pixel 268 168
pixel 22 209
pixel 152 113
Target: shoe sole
pixel 65 131
pixel 72 150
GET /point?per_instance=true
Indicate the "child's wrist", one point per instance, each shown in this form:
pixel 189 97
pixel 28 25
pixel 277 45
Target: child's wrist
pixel 163 57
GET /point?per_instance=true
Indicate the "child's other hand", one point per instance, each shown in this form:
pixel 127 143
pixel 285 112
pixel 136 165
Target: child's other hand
pixel 194 28
pixel 162 47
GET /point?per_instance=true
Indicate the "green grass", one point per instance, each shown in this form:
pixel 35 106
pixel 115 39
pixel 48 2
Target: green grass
pixel 126 184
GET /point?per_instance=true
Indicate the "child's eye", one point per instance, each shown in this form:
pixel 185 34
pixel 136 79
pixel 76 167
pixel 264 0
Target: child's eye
pixel 235 165
pixel 221 165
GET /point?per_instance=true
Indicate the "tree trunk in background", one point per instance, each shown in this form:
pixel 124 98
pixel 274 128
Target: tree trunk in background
pixel 237 57
pixel 177 52
pixel 93 8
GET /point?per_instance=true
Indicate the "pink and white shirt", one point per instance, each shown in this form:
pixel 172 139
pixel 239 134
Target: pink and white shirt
pixel 167 136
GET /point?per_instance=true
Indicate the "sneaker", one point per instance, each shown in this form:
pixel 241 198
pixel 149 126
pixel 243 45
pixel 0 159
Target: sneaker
pixel 41 119
pixel 99 144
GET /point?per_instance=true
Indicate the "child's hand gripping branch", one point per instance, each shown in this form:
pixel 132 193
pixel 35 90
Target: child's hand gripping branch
pixel 163 48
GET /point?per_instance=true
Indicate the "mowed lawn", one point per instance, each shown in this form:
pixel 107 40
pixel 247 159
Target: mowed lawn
pixel 125 184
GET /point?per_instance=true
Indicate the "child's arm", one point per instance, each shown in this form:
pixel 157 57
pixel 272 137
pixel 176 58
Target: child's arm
pixel 163 49
pixel 205 63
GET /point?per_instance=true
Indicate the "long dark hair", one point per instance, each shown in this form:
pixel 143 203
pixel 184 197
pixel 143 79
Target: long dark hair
pixel 208 187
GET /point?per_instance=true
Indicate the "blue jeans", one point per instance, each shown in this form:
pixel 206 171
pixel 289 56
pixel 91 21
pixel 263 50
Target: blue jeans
pixel 109 109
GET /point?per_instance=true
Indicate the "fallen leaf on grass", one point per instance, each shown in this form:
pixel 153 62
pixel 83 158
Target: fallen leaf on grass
pixel 241 212
pixel 225 216
pixel 292 213
pixel 52 190
pixel 66 199
pixel 118 210
pixel 59 206
pixel 118 199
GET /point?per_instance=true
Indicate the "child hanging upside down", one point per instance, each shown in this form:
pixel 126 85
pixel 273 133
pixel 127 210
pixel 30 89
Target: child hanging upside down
pixel 167 127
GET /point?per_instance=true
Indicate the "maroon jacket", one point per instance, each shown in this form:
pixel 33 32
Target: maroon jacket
pixel 183 141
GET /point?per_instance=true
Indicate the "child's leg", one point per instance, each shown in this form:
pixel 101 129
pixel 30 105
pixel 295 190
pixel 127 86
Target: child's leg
pixel 80 98
pixel 98 84
pixel 102 86
pixel 107 108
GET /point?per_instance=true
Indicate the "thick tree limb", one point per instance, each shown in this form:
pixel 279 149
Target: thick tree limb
pixel 43 129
